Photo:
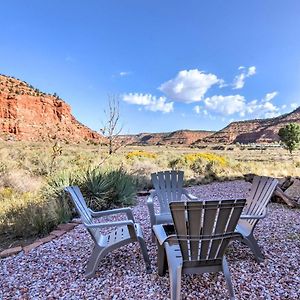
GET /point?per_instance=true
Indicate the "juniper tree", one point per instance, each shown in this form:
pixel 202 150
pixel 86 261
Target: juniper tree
pixel 290 136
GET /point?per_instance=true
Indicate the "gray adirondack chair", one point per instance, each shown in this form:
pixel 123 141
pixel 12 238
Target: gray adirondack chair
pixel 255 209
pixel 168 186
pixel 127 231
pixel 203 230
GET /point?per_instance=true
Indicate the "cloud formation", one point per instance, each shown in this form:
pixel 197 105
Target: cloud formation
pixel 149 102
pixel 270 96
pixel 226 105
pixel 189 85
pixel 239 80
pixel 237 104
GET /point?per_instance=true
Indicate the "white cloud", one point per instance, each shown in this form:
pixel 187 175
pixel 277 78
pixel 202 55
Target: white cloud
pixel 270 96
pixel 189 85
pixel 222 83
pixel 239 80
pixel 197 109
pixel 294 105
pixel 226 105
pixel 251 71
pixel 262 109
pixel 124 73
pixel 237 104
pixel 149 101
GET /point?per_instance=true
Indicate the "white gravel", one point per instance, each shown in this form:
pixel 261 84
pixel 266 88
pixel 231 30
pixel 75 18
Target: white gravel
pixel 56 270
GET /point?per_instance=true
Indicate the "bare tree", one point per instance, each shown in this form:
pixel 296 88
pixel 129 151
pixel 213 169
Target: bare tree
pixel 111 127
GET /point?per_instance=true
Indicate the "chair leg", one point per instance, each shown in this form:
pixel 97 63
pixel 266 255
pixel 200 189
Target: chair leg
pixel 251 242
pixel 175 282
pixel 227 278
pixel 161 260
pixel 94 260
pixel 145 254
pixel 153 238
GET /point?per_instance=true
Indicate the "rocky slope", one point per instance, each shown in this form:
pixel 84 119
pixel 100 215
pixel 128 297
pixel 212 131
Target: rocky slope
pixel 31 115
pixel 179 137
pixel 253 131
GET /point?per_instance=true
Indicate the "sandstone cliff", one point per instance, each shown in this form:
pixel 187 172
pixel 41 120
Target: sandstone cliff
pixel 31 115
pixel 253 131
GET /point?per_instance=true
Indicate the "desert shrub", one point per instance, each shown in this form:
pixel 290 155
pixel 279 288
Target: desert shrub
pixel 230 148
pixel 123 188
pixel 96 188
pixel 141 170
pixel 24 214
pixel 297 164
pixel 218 147
pixel 141 154
pixel 53 192
pixel 178 163
pixel 199 166
pixel 101 189
pixel 192 157
pixel 108 189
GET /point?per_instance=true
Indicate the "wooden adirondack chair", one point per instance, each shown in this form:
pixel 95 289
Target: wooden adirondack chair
pixel 127 231
pixel 255 209
pixel 203 230
pixel 168 187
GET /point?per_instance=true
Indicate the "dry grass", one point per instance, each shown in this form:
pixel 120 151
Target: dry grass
pixel 26 167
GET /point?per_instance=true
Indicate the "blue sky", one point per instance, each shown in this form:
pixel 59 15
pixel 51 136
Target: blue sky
pixel 173 64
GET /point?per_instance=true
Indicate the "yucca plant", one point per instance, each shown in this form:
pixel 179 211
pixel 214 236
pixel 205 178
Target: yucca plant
pixel 123 187
pixel 96 188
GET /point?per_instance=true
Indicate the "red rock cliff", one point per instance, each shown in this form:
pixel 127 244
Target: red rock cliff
pixel 31 115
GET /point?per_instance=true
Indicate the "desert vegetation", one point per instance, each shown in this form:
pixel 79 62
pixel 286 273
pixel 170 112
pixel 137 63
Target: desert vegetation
pixel 33 176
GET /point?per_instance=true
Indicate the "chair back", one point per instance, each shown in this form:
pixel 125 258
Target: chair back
pixel 82 209
pixel 204 229
pixel 168 186
pixel 260 194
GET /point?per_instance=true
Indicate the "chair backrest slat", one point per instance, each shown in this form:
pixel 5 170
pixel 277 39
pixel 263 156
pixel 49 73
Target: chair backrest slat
pixel 181 228
pixel 260 194
pixel 204 228
pixel 179 184
pixel 79 203
pixel 210 212
pixel 195 214
pixel 168 186
pixel 82 209
pixel 168 182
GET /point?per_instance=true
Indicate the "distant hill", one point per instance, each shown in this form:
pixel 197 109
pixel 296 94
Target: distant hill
pixel 179 137
pixel 253 131
pixel 28 114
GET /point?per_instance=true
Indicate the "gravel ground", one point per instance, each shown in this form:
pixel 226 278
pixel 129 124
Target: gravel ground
pixel 55 270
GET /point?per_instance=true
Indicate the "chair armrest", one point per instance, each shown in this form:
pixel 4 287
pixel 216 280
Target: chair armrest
pixel 188 195
pixel 160 234
pixel 151 210
pixel 109 224
pixel 126 210
pixel 254 217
